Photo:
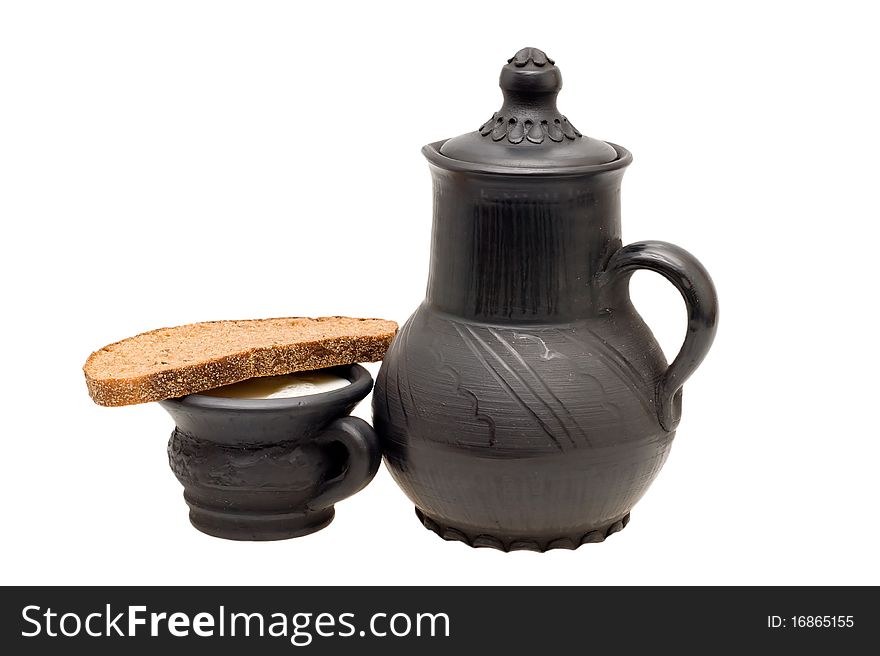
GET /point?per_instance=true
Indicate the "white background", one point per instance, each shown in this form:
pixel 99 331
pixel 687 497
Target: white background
pixel 170 162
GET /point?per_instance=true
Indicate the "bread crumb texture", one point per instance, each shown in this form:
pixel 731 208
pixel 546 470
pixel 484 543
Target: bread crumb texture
pixel 172 362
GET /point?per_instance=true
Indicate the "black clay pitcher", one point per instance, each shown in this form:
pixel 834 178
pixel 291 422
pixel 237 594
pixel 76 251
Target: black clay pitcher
pixel 525 404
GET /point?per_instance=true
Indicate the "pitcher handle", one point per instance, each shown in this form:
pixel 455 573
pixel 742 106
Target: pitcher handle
pixel 693 282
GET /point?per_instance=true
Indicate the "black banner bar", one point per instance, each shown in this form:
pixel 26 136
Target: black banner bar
pixel 435 620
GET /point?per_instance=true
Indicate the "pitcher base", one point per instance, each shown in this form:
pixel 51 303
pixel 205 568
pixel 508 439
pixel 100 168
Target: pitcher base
pixel 519 544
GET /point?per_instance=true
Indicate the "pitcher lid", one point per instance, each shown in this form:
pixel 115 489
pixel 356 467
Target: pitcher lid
pixel 529 132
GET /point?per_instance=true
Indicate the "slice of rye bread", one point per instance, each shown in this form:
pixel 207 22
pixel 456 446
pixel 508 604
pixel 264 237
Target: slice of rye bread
pixel 172 362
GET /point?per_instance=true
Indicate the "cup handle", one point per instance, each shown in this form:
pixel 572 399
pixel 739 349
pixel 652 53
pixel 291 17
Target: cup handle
pixel 364 455
pixel 693 282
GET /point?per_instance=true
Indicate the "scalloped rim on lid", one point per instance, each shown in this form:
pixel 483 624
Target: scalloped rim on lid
pixel 528 133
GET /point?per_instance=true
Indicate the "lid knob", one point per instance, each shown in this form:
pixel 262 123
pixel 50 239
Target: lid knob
pixel 530 82
pixel 531 77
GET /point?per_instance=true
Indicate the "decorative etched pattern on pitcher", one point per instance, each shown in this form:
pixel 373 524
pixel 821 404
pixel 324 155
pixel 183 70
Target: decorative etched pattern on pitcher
pixel 561 387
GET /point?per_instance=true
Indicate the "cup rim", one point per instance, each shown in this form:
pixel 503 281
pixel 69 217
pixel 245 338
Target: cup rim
pixel 360 384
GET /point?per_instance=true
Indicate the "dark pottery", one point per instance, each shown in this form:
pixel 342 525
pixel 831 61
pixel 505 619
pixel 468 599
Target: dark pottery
pixel 270 469
pixel 525 404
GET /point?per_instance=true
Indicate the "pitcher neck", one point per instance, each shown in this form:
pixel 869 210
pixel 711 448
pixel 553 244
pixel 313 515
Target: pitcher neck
pixel 508 249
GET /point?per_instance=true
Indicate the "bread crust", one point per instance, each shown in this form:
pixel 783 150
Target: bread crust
pixel 171 362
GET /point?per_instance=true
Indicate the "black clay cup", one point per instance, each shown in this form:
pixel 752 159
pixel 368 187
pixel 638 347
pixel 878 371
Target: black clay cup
pixel 271 469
